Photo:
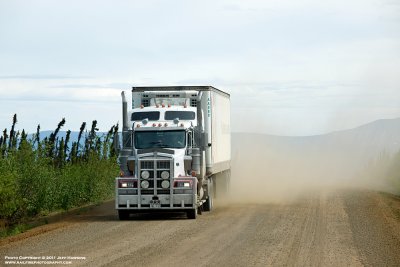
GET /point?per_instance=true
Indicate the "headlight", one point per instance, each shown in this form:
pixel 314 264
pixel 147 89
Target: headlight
pixel 145 174
pixel 185 184
pixel 165 184
pixel 145 184
pixel 165 175
pixel 127 184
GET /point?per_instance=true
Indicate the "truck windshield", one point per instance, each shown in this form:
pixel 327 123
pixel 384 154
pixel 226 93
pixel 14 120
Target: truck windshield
pixel 150 115
pixel 151 139
pixel 182 115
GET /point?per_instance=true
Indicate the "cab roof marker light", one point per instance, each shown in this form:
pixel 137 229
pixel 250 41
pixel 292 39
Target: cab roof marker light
pixel 165 124
pixel 159 125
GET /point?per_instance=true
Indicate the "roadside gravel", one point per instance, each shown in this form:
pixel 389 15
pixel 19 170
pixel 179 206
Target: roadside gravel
pixel 326 228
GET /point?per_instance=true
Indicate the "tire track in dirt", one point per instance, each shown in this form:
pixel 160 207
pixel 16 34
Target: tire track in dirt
pixel 326 228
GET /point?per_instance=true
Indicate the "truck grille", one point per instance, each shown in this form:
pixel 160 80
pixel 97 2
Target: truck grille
pixel 155 167
pixel 163 165
pixel 148 165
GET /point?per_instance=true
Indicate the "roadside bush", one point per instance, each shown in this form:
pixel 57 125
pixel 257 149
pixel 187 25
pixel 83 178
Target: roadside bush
pixel 85 182
pixel 8 204
pixel 41 176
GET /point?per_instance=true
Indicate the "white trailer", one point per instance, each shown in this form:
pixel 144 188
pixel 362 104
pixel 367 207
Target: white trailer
pixel 176 150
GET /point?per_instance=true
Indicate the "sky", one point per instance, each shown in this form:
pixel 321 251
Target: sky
pixel 300 67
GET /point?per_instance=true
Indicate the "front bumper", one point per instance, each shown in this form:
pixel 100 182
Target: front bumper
pixel 178 198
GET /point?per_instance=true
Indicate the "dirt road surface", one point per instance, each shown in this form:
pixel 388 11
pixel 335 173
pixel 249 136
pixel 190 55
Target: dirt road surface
pixel 338 228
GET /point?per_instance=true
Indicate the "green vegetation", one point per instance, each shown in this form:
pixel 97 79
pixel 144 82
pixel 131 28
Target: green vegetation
pixel 41 176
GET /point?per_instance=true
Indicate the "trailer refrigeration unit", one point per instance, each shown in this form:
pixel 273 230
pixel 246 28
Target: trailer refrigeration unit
pixel 176 150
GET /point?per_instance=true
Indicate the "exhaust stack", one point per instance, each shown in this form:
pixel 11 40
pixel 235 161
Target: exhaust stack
pixel 125 125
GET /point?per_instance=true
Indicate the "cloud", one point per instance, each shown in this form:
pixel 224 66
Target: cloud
pixel 56 99
pixel 41 77
pixel 46 94
pixel 284 62
pixel 49 113
pixel 82 85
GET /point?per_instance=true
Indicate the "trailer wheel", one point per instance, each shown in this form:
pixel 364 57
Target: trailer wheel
pixel 192 214
pixel 208 205
pixel 123 215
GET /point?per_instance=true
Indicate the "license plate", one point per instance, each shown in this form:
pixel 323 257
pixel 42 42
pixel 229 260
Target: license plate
pixel 155 204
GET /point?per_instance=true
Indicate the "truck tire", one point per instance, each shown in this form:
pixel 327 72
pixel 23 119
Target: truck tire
pixel 208 205
pixel 192 214
pixel 123 215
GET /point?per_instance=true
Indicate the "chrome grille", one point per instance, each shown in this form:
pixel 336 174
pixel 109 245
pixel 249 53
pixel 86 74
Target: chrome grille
pixel 163 165
pixel 155 167
pixel 147 165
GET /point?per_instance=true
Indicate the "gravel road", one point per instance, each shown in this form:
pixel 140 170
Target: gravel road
pixel 335 228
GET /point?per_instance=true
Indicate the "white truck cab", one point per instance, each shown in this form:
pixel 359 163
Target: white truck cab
pixel 167 160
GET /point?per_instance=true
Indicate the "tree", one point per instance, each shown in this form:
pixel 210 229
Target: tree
pixel 12 132
pixel 52 139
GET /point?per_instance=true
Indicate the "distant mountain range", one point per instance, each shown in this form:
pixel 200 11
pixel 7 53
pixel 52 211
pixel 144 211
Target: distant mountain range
pixel 262 160
pixel 375 136
pixel 269 168
pixel 368 139
pixel 62 134
pixel 336 155
pixel 381 136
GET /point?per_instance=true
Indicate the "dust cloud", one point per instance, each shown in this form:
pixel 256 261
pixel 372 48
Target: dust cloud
pixel 268 169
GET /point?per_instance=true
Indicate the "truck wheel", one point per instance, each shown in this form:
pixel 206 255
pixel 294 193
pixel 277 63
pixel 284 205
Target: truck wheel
pixel 123 215
pixel 208 205
pixel 192 214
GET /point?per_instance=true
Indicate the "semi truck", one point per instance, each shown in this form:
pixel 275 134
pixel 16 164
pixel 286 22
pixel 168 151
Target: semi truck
pixel 175 152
